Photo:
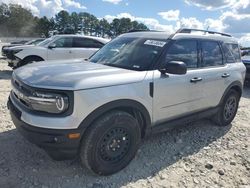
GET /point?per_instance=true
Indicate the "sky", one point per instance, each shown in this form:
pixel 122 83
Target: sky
pixel 230 16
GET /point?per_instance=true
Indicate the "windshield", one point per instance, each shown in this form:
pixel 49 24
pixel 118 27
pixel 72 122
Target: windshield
pixel 30 42
pixel 45 42
pixel 130 53
pixel 34 42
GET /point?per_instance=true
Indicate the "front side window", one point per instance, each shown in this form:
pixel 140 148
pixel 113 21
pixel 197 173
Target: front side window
pixel 64 42
pixel 211 54
pixel 135 53
pixel 86 43
pixel 185 51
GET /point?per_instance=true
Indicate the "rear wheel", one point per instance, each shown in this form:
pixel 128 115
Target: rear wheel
pixel 228 109
pixel 110 143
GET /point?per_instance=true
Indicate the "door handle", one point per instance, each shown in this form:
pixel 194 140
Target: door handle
pixel 196 79
pixel 225 75
pixel 70 51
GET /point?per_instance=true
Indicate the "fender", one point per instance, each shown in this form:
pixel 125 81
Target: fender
pixel 122 103
pixel 234 85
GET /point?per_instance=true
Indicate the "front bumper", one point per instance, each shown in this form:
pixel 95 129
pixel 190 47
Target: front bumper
pixel 12 60
pixel 54 141
pixel 4 51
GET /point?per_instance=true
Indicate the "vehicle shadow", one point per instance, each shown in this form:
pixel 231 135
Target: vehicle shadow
pixel 5 74
pixel 22 163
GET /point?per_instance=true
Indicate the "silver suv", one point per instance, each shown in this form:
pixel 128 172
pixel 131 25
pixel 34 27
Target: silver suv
pixel 139 83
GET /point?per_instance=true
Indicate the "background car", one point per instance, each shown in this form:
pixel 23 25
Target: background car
pixel 56 48
pixel 246 60
pixel 6 48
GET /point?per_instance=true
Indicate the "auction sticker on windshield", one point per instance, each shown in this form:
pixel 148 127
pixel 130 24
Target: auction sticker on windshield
pixel 155 43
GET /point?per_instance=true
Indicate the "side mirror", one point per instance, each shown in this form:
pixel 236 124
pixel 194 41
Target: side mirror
pixel 174 67
pixel 53 45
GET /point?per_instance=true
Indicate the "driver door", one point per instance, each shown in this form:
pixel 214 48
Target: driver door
pixel 178 95
pixel 62 49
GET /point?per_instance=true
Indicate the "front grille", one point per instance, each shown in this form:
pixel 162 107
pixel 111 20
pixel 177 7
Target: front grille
pixel 10 55
pixel 20 93
pixel 4 52
pixel 21 87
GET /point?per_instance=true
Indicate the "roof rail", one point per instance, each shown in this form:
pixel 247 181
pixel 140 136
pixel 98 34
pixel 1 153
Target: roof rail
pixel 185 30
pixel 137 30
pixel 142 30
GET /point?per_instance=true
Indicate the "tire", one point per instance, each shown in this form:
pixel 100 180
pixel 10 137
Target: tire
pixel 228 109
pixel 29 60
pixel 110 143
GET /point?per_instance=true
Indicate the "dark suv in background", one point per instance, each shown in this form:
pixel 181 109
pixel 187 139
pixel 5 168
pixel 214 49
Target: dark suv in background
pixel 246 60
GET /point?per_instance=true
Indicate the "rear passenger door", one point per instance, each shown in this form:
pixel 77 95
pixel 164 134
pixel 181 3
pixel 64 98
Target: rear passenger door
pixel 215 73
pixel 85 47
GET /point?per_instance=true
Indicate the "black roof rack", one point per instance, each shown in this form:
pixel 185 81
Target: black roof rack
pixel 185 30
pixel 137 30
pixel 142 30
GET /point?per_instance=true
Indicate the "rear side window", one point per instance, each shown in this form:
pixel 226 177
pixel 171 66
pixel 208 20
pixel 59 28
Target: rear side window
pixel 64 42
pixel 211 54
pixel 185 51
pixel 86 43
pixel 232 52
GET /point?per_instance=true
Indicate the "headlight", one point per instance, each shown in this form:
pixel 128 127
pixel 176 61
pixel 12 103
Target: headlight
pixel 49 102
pixel 16 51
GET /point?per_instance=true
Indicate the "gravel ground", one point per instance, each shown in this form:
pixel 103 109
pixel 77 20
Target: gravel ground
pixel 197 155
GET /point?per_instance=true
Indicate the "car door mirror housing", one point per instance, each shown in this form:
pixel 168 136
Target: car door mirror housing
pixel 174 67
pixel 53 45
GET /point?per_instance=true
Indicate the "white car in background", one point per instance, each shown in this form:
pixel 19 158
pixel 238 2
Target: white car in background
pixel 57 47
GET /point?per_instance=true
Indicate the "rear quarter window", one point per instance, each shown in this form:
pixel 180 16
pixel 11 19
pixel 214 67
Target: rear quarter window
pixel 232 52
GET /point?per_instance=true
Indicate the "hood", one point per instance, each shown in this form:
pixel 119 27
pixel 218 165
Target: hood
pixel 75 75
pixel 11 45
pixel 20 47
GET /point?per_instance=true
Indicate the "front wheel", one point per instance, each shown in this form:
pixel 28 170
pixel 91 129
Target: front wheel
pixel 228 109
pixel 29 60
pixel 110 143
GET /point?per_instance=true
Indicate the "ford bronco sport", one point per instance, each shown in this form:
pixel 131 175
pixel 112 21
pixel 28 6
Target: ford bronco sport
pixel 139 83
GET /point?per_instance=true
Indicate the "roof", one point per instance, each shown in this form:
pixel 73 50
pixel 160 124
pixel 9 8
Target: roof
pixel 148 34
pixel 205 36
pixel 197 35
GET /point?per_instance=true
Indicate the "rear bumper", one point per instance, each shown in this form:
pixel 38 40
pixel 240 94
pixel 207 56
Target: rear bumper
pixel 55 142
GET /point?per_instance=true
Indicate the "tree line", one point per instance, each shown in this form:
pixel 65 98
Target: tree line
pixel 16 21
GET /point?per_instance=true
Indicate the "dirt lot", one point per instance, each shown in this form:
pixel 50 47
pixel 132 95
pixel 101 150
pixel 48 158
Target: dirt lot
pixel 198 155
